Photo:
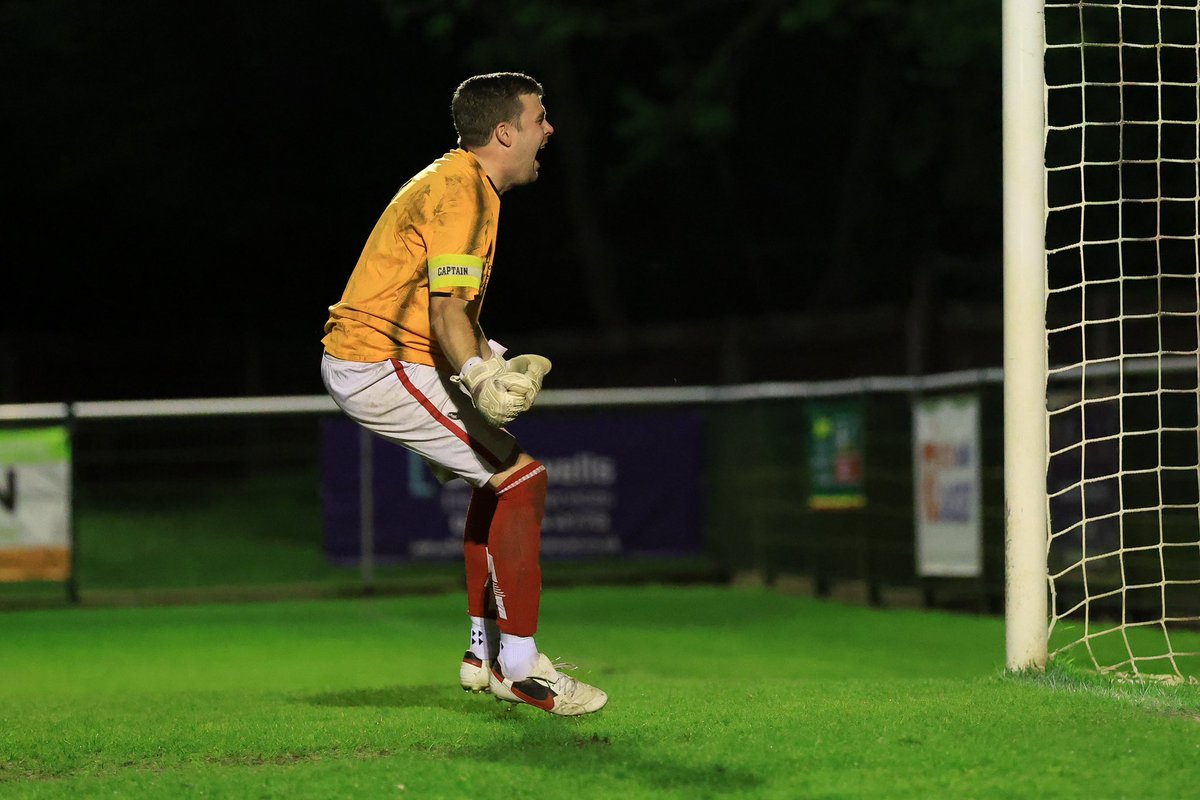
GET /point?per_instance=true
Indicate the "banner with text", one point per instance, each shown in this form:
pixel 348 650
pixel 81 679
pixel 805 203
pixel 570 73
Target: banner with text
pixel 836 454
pixel 946 477
pixel 35 504
pixel 619 484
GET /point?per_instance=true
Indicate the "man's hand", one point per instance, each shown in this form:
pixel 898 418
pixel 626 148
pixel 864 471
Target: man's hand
pixel 484 382
pixel 524 376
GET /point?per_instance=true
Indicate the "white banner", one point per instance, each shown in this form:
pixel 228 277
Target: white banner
pixel 946 486
pixel 35 504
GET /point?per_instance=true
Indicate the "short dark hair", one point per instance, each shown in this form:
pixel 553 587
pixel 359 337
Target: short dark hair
pixel 484 101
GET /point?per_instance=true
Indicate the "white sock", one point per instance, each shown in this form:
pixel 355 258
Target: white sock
pixel 485 638
pixel 518 655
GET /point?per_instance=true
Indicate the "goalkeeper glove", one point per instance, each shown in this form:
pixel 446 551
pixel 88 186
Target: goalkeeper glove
pixel 482 381
pixel 524 376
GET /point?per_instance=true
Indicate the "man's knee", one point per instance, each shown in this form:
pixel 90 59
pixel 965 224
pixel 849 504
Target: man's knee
pixel 523 461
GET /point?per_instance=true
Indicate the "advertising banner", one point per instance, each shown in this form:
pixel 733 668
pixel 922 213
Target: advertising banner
pixel 948 502
pixel 626 483
pixel 836 454
pixel 35 504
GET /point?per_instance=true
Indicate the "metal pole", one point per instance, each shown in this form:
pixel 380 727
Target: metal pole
pixel 72 528
pixel 1025 436
pixel 366 506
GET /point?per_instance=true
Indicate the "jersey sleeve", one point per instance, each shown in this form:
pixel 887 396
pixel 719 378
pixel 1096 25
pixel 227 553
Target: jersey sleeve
pixel 456 240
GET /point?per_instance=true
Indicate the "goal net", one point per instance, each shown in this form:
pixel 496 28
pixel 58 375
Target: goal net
pixel 1122 185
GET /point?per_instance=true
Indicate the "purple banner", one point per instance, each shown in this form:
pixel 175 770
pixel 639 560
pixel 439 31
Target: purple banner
pixel 620 483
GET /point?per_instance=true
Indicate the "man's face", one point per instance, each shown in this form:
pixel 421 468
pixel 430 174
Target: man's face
pixel 532 136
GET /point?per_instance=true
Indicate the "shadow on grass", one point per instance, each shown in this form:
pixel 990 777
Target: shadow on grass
pixel 432 696
pixel 572 744
pixel 612 757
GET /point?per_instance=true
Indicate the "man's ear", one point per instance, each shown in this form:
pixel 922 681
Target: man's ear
pixel 503 134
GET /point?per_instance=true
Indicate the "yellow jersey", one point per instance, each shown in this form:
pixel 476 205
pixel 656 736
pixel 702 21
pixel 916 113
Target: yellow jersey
pixel 438 234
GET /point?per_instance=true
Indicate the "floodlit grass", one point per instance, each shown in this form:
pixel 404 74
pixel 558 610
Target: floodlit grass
pixel 715 693
pixel 262 530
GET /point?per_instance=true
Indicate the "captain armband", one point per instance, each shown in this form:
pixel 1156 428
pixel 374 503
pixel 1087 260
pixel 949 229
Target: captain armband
pixel 448 272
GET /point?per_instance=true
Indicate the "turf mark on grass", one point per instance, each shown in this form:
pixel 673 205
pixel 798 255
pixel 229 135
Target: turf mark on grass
pixel 593 741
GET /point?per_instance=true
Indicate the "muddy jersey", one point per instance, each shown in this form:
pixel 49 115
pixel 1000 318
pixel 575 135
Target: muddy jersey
pixel 438 234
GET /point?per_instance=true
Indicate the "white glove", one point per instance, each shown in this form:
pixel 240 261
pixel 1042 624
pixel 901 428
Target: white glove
pixel 481 380
pixel 524 376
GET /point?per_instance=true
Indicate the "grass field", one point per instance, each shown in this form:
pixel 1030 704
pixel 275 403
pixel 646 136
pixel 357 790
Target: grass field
pixel 715 693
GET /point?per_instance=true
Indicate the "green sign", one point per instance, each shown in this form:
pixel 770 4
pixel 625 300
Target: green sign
pixel 34 445
pixel 35 504
pixel 836 454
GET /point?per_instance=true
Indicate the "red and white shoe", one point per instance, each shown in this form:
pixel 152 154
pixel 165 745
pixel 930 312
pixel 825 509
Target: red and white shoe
pixel 473 674
pixel 548 689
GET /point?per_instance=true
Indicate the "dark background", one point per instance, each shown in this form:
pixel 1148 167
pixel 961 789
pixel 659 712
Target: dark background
pixel 736 191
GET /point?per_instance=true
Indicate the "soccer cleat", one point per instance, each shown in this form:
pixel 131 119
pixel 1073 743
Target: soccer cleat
pixel 473 674
pixel 548 689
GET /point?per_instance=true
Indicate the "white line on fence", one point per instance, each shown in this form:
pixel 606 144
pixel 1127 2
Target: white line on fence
pixel 574 398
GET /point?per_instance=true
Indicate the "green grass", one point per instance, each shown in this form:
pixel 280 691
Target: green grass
pixel 261 530
pixel 715 693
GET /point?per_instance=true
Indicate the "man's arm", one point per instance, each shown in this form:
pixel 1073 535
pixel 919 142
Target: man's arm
pixel 500 390
pixel 460 338
pixel 476 367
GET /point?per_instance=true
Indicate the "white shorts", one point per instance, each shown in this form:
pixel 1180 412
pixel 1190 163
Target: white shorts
pixel 418 408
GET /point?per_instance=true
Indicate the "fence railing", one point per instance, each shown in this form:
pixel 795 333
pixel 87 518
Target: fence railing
pixel 215 492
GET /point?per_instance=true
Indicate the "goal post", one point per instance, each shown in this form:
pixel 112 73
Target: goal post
pixel 1102 334
pixel 1025 438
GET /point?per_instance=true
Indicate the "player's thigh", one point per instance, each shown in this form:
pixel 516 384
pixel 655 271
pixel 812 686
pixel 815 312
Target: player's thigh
pixel 420 409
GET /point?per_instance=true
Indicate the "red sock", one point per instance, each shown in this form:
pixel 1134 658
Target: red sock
pixel 514 545
pixel 475 553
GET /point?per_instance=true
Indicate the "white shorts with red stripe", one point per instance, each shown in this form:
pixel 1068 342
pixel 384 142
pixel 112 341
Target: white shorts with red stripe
pixel 418 408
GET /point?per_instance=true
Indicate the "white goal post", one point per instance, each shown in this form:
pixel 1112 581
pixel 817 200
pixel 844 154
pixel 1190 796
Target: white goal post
pixel 1025 588
pixel 1102 333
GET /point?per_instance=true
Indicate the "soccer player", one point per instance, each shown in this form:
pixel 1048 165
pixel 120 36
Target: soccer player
pixel 405 357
